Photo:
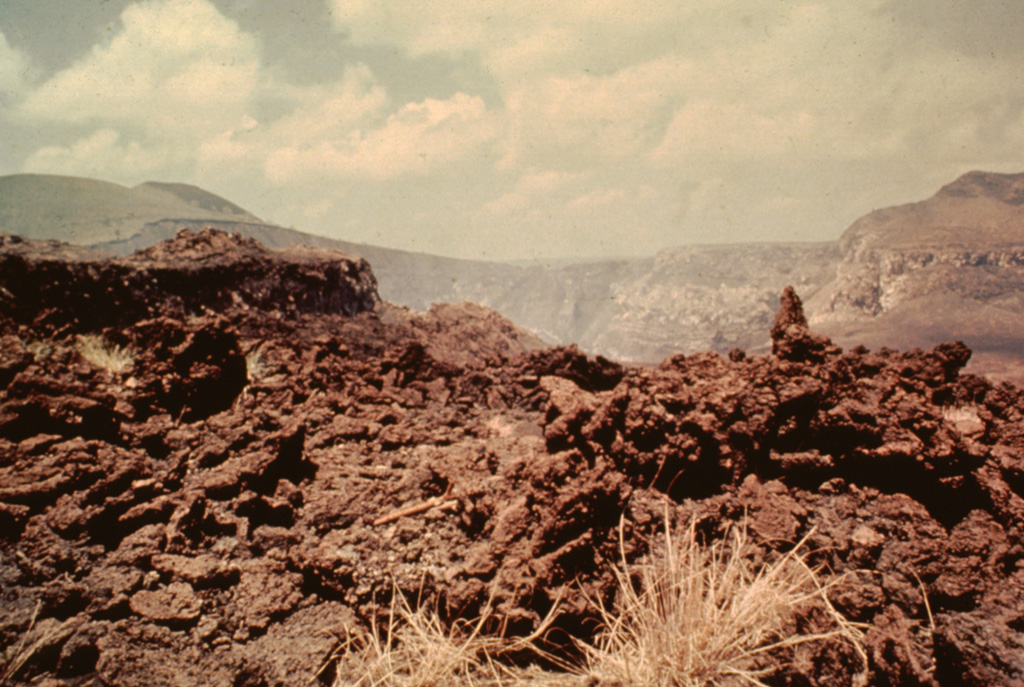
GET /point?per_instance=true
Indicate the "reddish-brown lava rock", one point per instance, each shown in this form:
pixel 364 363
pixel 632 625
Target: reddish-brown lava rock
pixel 194 273
pixel 198 571
pixel 275 464
pixel 266 591
pixel 175 604
pixel 791 337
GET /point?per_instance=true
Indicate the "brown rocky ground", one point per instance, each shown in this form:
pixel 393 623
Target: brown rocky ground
pixel 227 506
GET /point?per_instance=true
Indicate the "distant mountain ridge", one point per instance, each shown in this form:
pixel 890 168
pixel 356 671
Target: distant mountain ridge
pixel 1006 188
pixel 949 267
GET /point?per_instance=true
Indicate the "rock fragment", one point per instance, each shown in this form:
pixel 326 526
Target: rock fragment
pixel 176 604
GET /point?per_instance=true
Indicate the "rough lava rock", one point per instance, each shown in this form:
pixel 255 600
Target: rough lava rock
pixel 51 285
pixel 791 337
pixel 225 508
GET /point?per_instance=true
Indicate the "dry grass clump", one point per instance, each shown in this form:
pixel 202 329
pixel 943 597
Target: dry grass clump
pixel 102 353
pixel 36 636
pixel 690 616
pixel 698 616
pixel 256 366
pixel 40 350
pixel 418 649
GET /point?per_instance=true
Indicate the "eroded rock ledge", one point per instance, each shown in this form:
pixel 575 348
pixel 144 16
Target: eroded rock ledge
pixel 51 285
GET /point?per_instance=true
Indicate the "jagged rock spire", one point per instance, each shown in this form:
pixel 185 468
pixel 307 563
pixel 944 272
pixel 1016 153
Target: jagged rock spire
pixel 791 314
pixel 792 339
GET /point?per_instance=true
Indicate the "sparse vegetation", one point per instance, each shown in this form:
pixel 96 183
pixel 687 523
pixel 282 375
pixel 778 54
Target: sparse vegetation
pixel 255 365
pixel 693 616
pixel 102 353
pixel 690 616
pixel 417 649
pixel 16 656
pixel 40 350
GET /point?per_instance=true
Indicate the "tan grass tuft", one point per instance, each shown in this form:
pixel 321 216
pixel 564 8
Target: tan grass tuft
pixel 418 649
pixel 690 616
pixel 256 366
pixel 696 616
pixel 40 350
pixel 101 353
pixel 14 658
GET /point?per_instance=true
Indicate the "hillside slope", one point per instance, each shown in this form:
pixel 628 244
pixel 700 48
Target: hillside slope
pixel 87 211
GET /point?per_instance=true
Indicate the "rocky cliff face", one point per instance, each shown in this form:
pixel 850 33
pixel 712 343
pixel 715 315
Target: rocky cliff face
pixel 253 484
pixel 969 238
pixel 701 298
pixel 877 280
pixel 951 266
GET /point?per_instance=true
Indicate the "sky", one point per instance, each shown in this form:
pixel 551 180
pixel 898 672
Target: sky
pixel 521 129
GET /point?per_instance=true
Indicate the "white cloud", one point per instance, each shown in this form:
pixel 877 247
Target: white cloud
pixel 95 155
pixel 356 101
pixel 584 120
pixel 316 117
pixel 177 68
pixel 531 35
pixel 419 138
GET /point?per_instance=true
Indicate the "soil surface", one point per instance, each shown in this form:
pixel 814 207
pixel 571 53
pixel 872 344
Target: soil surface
pixel 284 452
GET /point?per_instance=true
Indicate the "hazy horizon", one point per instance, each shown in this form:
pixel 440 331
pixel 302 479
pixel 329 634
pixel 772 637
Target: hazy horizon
pixel 521 131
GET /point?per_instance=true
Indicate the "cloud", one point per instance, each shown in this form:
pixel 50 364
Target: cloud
pixel 531 188
pixel 13 66
pixel 417 139
pixel 635 124
pixel 656 81
pixel 349 134
pixel 729 130
pixel 179 75
pixel 584 120
pixel 177 68
pixel 96 154
pixel 520 38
